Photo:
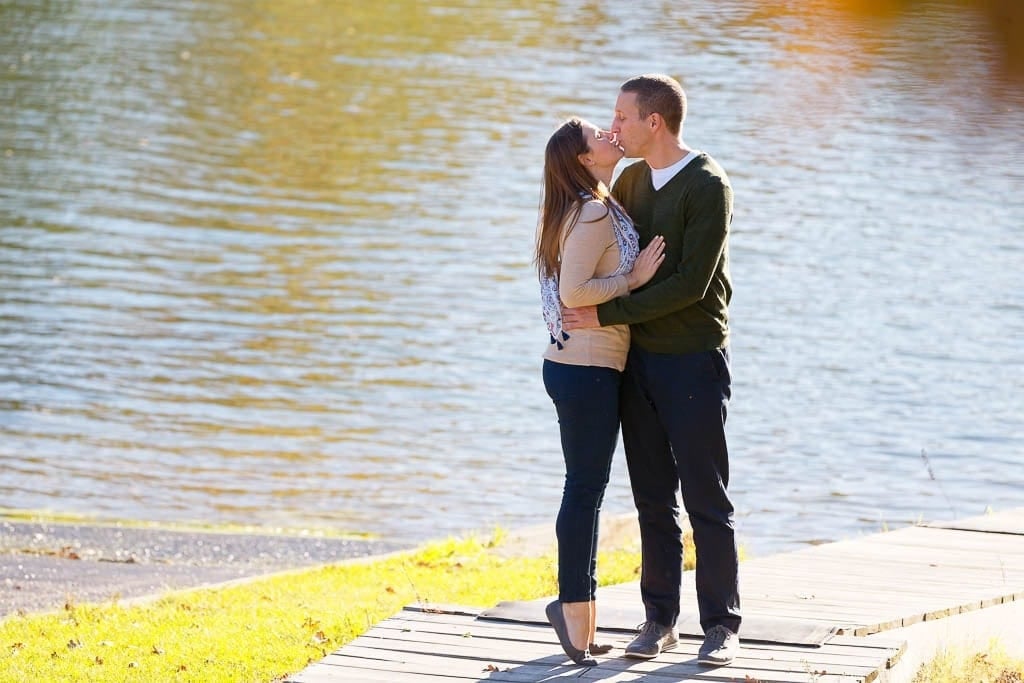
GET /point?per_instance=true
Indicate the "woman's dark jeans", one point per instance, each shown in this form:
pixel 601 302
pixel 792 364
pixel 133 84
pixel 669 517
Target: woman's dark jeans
pixel 586 399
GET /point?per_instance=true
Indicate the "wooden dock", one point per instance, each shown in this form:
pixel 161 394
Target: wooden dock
pixel 805 615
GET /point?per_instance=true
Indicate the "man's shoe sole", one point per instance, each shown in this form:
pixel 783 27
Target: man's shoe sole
pixel 644 655
pixel 714 662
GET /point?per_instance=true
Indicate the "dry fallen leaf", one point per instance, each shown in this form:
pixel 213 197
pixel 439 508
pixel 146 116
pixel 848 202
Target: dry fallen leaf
pixel 67 553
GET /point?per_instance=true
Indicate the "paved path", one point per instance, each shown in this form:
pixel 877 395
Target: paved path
pixel 43 566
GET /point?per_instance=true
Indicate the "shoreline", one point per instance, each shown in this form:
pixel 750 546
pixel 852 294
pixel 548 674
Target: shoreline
pixel 46 564
pixel 926 638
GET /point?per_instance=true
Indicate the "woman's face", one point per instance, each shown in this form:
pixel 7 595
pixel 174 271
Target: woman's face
pixel 601 149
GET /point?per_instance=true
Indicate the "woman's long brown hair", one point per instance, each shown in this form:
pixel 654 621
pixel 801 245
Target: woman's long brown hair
pixel 565 180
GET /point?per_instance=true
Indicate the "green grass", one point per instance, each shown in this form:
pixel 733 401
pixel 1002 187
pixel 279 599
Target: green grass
pixel 260 631
pixel 961 666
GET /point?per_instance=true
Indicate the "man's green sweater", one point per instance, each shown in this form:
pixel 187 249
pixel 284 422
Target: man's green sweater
pixel 685 306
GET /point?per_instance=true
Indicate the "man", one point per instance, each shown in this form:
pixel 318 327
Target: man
pixel 676 387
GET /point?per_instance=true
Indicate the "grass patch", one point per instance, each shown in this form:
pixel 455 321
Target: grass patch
pixel 961 666
pixel 267 628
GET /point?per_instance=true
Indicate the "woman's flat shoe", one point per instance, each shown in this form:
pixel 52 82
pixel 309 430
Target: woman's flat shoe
pixel 557 619
pixel 596 649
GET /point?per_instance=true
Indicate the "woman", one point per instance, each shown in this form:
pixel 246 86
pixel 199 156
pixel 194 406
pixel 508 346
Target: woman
pixel 587 253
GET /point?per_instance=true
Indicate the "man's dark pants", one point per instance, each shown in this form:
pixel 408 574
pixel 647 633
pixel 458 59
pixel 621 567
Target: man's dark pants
pixel 673 410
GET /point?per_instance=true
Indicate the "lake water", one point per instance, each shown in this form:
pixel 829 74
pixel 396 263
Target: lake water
pixel 270 262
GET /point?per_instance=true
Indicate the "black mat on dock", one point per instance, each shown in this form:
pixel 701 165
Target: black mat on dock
pixel 611 618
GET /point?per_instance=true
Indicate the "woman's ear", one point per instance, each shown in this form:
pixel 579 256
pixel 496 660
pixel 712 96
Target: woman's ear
pixel 585 159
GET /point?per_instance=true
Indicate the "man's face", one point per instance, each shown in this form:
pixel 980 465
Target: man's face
pixel 630 131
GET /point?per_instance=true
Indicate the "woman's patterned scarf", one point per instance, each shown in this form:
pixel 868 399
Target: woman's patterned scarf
pixel 629 247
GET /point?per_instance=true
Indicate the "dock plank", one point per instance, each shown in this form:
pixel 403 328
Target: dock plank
pixel 467 658
pixel 832 655
pixel 1007 522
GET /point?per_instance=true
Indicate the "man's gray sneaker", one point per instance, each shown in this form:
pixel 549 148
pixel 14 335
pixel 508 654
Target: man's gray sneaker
pixel 652 640
pixel 720 647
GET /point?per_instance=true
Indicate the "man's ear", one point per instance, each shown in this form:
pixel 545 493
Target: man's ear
pixel 655 121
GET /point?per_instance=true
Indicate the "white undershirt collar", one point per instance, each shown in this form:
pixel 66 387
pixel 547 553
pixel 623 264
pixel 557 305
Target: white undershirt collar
pixel 660 176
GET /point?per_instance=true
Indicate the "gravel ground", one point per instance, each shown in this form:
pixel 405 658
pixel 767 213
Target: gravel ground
pixel 43 566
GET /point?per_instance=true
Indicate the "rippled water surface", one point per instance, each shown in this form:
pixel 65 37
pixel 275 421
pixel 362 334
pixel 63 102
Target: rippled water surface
pixel 269 262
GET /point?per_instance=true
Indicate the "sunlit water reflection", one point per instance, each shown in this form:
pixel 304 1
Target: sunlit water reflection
pixel 270 262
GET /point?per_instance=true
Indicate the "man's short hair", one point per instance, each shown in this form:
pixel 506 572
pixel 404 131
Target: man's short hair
pixel 659 94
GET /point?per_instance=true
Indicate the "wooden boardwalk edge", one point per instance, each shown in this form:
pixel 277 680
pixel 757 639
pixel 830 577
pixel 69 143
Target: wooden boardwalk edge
pixel 864 587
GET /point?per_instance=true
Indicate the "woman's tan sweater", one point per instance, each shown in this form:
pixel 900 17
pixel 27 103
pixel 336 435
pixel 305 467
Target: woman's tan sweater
pixel 589 254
